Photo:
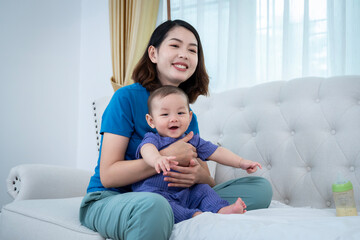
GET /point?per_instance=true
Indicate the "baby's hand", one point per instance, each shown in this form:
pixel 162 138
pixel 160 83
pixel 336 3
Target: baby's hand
pixel 250 166
pixel 163 163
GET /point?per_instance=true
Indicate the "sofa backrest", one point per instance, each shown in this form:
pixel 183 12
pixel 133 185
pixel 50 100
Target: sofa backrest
pixel 304 132
pixel 98 107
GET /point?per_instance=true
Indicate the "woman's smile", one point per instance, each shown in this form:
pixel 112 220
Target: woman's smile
pixel 180 66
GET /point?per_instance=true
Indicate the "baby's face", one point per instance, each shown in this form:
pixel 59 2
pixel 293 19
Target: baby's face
pixel 170 115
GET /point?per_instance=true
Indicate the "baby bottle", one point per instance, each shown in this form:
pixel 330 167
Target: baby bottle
pixel 344 198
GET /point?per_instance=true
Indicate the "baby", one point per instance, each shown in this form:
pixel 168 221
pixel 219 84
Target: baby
pixel 170 114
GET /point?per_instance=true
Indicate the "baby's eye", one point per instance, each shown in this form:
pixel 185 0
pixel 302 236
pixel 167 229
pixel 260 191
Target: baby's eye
pixel 164 114
pixel 181 113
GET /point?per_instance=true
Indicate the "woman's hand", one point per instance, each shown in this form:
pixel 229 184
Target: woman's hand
pixel 182 150
pixel 196 172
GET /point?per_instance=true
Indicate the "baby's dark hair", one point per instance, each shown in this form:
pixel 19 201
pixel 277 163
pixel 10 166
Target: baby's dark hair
pixel 166 91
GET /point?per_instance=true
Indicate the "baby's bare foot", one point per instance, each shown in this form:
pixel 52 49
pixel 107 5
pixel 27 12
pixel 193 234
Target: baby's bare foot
pixel 237 208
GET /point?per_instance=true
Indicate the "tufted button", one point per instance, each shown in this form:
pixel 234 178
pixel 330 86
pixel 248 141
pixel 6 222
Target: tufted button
pixel 317 100
pixel 292 133
pixel 279 103
pixel 269 166
pixel 241 108
pixel 328 203
pixel 221 135
pixel 254 134
pixel 286 201
pixel 308 169
pixel 352 168
pixel 359 102
pixel 333 132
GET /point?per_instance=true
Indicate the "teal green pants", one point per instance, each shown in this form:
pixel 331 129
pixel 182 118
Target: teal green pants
pixel 142 215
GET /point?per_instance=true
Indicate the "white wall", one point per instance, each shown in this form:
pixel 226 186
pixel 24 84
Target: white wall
pixel 54 59
pixel 95 73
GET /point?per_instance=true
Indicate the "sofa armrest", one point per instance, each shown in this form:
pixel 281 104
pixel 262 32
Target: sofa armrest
pixel 37 181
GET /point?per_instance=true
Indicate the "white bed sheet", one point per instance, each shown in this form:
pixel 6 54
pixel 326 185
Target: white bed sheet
pixel 279 221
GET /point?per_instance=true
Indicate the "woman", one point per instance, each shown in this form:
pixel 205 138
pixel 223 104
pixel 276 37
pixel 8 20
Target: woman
pixel 174 56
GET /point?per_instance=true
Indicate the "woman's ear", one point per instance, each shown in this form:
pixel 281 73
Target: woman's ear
pixel 150 120
pixel 152 54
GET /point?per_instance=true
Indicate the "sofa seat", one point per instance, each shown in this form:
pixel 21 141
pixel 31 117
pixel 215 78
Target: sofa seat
pixel 54 218
pixel 279 221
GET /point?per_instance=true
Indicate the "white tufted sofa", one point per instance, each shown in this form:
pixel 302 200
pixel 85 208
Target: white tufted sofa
pixel 304 132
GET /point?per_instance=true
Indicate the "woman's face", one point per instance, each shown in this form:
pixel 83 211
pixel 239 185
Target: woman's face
pixel 176 58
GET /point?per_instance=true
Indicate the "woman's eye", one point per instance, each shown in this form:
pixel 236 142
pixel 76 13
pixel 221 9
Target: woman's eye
pixel 192 50
pixel 174 45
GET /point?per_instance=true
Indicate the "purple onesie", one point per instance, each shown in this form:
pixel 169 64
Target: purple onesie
pixel 184 201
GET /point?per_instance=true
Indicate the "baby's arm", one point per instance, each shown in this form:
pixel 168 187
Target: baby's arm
pixel 226 157
pixel 152 157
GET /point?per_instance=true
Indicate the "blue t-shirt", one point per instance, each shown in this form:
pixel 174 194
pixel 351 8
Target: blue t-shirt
pixel 125 116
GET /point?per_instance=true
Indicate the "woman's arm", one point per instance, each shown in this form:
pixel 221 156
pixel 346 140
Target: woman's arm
pixel 114 170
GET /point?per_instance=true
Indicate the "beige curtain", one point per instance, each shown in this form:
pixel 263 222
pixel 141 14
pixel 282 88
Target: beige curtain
pixel 131 25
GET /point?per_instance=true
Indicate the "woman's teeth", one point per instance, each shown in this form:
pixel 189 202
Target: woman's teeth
pixel 180 66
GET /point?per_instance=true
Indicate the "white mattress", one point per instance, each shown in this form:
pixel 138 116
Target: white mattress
pixel 277 222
